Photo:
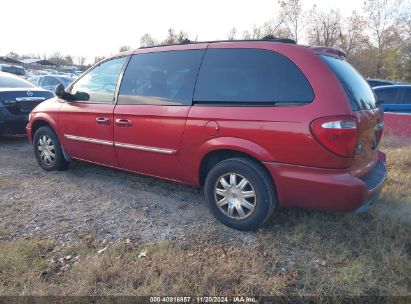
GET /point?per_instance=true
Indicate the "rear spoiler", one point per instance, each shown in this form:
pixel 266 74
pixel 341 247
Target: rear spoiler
pixel 329 50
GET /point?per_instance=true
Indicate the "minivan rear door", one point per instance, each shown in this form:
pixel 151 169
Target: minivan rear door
pixel 154 99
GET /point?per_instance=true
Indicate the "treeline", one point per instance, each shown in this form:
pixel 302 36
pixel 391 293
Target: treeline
pixel 376 39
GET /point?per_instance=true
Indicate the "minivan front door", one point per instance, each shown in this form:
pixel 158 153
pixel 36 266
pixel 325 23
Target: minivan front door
pixel 87 122
pixel 154 99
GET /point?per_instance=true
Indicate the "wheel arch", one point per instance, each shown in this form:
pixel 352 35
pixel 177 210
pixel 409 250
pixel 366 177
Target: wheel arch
pixel 221 148
pixel 39 121
pixel 38 124
pixel 218 155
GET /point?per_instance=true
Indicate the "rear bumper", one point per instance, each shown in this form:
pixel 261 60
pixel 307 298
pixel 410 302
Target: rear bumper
pixel 326 189
pixel 12 124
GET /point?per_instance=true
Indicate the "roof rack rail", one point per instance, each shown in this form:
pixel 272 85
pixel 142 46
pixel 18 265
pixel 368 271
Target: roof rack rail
pixel 268 38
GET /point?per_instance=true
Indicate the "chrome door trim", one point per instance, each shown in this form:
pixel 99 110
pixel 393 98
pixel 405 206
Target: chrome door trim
pixel 119 145
pixel 89 140
pixel 144 148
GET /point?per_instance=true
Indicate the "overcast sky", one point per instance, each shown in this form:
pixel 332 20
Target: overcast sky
pixel 98 28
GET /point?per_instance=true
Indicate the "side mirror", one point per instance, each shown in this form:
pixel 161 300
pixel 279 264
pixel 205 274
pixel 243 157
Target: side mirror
pixel 60 91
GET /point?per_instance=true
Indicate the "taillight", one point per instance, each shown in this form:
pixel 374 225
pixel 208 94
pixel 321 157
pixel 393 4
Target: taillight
pixel 337 134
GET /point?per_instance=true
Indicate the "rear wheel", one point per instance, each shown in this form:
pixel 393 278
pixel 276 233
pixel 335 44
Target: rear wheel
pixel 48 151
pixel 240 193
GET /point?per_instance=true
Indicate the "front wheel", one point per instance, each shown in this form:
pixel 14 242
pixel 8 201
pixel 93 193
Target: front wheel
pixel 48 151
pixel 240 193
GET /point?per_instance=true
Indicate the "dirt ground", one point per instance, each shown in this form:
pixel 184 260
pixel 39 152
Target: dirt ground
pixel 108 203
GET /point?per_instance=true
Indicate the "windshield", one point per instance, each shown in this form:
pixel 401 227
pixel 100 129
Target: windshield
pixel 359 92
pixel 14 82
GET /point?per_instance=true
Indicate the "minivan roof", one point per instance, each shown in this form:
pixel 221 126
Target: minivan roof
pixel 209 44
pixel 203 44
pixel 282 40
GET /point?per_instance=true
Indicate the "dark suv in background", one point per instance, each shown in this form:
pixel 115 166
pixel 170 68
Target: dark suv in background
pixel 257 124
pixel 17 98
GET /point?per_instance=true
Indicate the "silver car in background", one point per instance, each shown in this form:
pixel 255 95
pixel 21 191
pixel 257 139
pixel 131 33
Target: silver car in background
pixel 49 82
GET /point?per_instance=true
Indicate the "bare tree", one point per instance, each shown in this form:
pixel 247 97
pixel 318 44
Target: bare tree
pixel 81 60
pixel 68 60
pixel 147 41
pixel 294 16
pixel 325 27
pixel 98 59
pixel 255 33
pixel 232 34
pixel 383 17
pixel 57 58
pixel 124 48
pixel 171 37
pixel 182 37
pixel 276 27
pixel 353 38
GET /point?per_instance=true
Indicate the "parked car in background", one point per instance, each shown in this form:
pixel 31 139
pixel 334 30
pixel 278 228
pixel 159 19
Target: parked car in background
pixel 257 124
pixel 394 98
pixel 380 82
pixel 49 82
pixel 17 98
pixel 13 69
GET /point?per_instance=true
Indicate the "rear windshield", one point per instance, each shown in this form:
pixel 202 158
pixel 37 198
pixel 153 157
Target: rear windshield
pixel 359 92
pixel 14 82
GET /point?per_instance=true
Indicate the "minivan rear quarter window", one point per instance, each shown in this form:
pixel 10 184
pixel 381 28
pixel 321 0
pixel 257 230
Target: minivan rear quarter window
pixel 250 77
pixel 357 89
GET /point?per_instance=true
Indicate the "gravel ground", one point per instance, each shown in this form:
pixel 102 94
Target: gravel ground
pixel 89 199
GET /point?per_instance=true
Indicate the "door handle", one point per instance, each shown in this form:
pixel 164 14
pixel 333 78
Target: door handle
pixel 124 123
pixel 105 121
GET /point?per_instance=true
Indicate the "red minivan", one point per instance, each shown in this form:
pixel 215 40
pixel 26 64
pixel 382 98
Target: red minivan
pixel 257 124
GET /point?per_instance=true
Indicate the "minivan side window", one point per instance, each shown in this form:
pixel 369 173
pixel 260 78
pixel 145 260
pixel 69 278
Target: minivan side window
pixel 99 84
pixel 250 77
pixel 162 78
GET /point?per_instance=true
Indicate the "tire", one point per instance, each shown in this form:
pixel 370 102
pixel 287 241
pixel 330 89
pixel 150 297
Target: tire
pixel 45 137
pixel 258 191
